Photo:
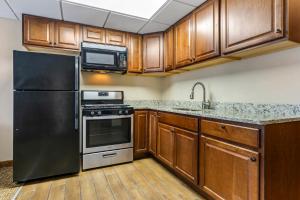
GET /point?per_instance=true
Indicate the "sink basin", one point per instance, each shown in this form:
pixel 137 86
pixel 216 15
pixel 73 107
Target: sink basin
pixel 187 109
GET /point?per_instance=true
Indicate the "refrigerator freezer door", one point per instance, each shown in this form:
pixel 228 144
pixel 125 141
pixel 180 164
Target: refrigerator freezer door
pixel 39 71
pixel 46 134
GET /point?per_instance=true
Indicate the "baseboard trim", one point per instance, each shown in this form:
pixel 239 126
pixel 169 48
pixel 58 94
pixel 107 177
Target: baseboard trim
pixel 7 163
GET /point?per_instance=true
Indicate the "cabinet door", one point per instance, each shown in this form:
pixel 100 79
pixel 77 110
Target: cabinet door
pixel 228 171
pixel 152 132
pixel 67 35
pixel 115 38
pixel 38 31
pixel 92 34
pixel 207 31
pixel 165 144
pixel 134 53
pixel 186 154
pixel 169 49
pixel 153 52
pixel 184 41
pixel 140 132
pixel 250 22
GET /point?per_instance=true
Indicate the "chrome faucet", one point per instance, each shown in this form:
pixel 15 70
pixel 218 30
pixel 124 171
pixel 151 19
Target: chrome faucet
pixel 205 104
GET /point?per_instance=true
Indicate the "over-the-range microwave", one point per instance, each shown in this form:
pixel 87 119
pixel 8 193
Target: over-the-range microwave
pixel 103 58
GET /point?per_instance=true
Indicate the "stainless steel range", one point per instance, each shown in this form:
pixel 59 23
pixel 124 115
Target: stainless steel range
pixel 107 129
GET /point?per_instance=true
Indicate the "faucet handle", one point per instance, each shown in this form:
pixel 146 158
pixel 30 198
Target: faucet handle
pixel 206 104
pixel 192 95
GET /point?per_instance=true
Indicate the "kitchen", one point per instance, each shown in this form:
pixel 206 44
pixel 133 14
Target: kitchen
pixel 242 143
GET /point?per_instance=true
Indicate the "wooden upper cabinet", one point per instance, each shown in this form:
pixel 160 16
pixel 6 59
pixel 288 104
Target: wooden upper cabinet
pixel 207 31
pixel 250 22
pixel 169 49
pixel 92 34
pixel 115 38
pixel 184 41
pixel 228 171
pixel 38 31
pixel 153 52
pixel 67 35
pixel 186 154
pixel 140 132
pixel 165 144
pixel 152 132
pixel 134 53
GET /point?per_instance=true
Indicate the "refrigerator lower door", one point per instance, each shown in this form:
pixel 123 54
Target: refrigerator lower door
pixel 46 134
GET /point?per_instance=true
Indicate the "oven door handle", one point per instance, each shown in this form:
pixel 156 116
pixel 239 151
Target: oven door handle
pixel 109 155
pixel 109 117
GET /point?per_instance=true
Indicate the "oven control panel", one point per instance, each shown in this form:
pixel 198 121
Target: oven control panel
pixel 106 112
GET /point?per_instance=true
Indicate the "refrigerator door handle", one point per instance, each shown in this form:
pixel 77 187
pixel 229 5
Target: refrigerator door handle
pixel 76 72
pixel 76 112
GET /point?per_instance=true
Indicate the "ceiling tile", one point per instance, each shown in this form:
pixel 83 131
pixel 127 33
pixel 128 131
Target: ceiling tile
pixel 5 11
pixel 125 22
pixel 152 27
pixel 45 8
pixel 83 14
pixel 192 2
pixel 172 12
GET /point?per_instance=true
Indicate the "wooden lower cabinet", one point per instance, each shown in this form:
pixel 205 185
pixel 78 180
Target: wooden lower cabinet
pixel 228 171
pixel 186 154
pixel 165 144
pixel 140 132
pixel 152 132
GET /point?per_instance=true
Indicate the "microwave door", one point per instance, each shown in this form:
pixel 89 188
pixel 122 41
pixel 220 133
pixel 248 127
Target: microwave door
pixel 99 59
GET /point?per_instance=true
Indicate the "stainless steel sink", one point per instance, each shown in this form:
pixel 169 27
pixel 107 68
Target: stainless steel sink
pixel 187 109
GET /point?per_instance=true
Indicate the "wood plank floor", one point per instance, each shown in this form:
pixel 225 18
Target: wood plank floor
pixel 142 179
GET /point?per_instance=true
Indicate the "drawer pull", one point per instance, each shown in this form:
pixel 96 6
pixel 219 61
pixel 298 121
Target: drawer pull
pixel 223 127
pixel 253 159
pixel 109 155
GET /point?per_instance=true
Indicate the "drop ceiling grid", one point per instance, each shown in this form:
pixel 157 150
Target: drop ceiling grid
pixel 163 18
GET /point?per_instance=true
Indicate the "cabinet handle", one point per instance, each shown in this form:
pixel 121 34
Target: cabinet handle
pixel 253 159
pixel 278 30
pixel 50 42
pixel 223 127
pixel 54 43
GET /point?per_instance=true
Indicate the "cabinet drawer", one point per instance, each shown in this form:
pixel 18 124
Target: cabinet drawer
pixel 180 121
pixel 243 135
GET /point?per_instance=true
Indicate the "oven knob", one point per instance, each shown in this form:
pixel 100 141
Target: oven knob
pixel 99 112
pixel 126 111
pixel 92 112
pixel 120 112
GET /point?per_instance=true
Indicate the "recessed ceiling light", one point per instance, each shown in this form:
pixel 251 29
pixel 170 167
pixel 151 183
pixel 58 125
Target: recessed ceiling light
pixel 139 8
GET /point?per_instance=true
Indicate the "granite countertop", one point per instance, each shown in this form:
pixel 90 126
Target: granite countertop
pixel 259 114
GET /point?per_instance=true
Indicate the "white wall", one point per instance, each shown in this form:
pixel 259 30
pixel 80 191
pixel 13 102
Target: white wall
pixel 11 39
pixel 134 87
pixel 272 78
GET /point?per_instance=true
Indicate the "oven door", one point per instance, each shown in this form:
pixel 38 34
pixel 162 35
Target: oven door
pixel 103 133
pixel 99 59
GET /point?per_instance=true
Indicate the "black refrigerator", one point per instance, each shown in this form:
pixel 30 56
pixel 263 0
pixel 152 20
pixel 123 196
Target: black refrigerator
pixel 46 125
